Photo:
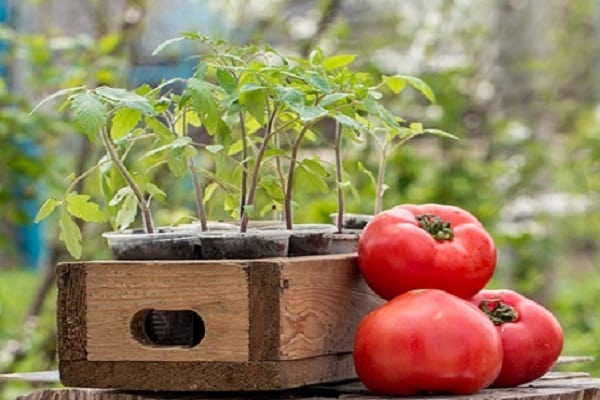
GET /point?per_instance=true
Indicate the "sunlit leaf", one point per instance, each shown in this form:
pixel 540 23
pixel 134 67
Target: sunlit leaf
pixel 227 81
pixel 127 211
pixel 55 95
pixel 120 196
pixel 125 98
pixel 338 61
pixel 88 112
pixel 441 133
pixel 123 122
pixel 46 209
pixel 80 206
pixel 70 234
pixel 333 98
pixel 395 83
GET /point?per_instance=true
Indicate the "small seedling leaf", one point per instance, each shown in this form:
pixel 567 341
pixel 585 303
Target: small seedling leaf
pixel 123 122
pixel 70 234
pixel 338 61
pixel 127 212
pixel 46 209
pixel 80 206
pixel 88 112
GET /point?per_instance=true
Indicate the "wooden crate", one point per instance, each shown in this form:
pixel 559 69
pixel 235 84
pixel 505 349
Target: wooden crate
pixel 269 324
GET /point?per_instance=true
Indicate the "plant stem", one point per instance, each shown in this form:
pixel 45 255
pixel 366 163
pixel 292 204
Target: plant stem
pixel 112 152
pixel 199 196
pixel 379 189
pixel 257 163
pixel 339 176
pixel 244 182
pixel 287 201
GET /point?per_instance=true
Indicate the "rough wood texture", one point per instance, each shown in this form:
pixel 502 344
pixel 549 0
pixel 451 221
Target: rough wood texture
pixel 565 388
pixel 71 312
pixel 116 292
pixel 207 376
pixel 322 302
pixel 270 324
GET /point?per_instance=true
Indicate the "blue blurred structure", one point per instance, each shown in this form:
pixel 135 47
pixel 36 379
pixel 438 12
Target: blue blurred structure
pixel 29 235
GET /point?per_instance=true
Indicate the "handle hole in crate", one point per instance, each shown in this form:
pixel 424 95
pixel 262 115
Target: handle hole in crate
pixel 164 328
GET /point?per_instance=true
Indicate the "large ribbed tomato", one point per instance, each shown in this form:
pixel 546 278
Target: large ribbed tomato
pixel 532 337
pixel 426 246
pixel 427 341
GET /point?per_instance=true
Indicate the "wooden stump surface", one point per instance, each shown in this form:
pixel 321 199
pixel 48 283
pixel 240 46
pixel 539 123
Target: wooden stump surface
pixel 553 386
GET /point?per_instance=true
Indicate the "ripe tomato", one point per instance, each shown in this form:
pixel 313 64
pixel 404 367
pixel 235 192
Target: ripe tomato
pixel 532 337
pixel 426 246
pixel 426 341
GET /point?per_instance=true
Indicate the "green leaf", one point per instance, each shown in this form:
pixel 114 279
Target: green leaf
pixel 46 209
pixel 160 129
pixel 395 82
pixel 319 83
pixel 204 104
pixel 127 211
pixel 333 98
pixel 272 187
pixel 177 162
pixel 80 206
pixel 123 122
pixel 70 234
pixel 167 43
pixel 338 61
pixel 88 112
pixel 293 98
pixel 156 192
pixel 236 147
pixel 441 133
pixel 348 121
pixel 227 81
pixel 120 196
pixel 312 171
pixel 214 148
pixel 256 103
pixel 55 95
pixel 209 191
pixel 310 113
pixel 316 57
pixel 363 169
pixel 125 98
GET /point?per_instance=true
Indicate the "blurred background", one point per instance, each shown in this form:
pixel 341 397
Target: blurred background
pixel 517 80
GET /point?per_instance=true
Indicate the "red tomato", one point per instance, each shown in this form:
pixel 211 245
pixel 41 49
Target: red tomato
pixel 426 246
pixel 532 338
pixel 427 341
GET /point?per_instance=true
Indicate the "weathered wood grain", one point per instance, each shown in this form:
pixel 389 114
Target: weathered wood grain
pixel 281 322
pixel 543 389
pixel 322 302
pixel 116 292
pixel 71 312
pixel 206 376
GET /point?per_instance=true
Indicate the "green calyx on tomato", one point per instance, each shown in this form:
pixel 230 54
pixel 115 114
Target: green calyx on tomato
pixel 436 226
pixel 498 311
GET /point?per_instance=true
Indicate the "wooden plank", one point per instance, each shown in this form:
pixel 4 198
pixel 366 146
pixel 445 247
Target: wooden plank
pixel 322 301
pixel 116 292
pixel 206 376
pixel 264 319
pixel 568 389
pixel 71 311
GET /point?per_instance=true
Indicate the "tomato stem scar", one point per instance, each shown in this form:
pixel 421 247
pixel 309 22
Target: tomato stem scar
pixel 498 311
pixel 436 226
